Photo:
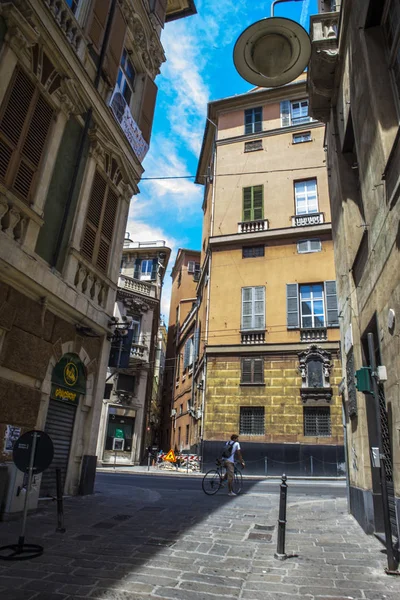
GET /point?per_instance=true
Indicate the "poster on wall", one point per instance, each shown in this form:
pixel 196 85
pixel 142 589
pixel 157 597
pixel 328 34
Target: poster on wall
pixel 11 435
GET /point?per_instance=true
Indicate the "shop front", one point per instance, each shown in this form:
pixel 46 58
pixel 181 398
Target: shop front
pixel 120 437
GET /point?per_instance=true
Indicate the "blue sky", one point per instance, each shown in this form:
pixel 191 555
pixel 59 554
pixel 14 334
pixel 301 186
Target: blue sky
pixel 199 69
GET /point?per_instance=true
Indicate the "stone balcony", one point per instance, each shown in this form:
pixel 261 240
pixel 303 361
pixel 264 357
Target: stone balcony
pixel 253 337
pixel 139 353
pixel 15 217
pixel 315 334
pixel 134 285
pixel 307 220
pixel 253 226
pixel 322 65
pixel 65 19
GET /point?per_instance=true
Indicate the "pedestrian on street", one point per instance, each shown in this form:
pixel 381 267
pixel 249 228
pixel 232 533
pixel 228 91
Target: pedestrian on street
pixel 231 449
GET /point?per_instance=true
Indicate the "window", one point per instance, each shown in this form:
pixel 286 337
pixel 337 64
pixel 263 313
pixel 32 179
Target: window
pixel 391 28
pixel 253 308
pixel 73 4
pixel 187 435
pixel 253 203
pixel 145 269
pixel 306 199
pixel 317 421
pixel 135 326
pixel 252 420
pixel 298 138
pixel 253 146
pixel 107 390
pixel 179 438
pixel 252 251
pixel 25 120
pixel 299 112
pixel 126 77
pixel 253 120
pixel 305 246
pixel 188 354
pixel 252 370
pixel 181 409
pixel 197 272
pixel 312 306
pixel 100 220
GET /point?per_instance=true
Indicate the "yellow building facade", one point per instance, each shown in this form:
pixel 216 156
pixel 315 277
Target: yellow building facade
pixel 268 320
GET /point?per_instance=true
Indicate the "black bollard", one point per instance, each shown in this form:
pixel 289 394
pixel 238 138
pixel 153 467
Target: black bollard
pixel 280 549
pixel 60 503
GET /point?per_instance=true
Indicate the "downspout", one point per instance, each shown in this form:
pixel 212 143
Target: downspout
pixel 88 118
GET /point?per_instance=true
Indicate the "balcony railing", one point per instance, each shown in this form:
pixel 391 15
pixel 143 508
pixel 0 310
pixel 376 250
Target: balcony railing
pixel 251 338
pixel 128 124
pixel 139 352
pixel 317 334
pixel 133 285
pixel 66 21
pixel 253 226
pixel 310 219
pixel 89 283
pixel 14 218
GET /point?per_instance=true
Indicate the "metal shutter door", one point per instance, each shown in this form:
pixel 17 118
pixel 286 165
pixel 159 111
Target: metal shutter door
pixel 59 426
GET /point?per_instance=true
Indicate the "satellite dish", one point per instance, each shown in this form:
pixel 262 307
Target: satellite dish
pixel 272 52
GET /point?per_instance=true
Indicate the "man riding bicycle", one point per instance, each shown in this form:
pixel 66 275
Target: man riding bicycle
pixel 228 456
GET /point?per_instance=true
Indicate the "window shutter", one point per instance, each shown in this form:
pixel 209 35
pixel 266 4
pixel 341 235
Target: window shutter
pixel 97 22
pixel 247 203
pixel 107 230
pixel 285 113
pixel 292 305
pixel 115 45
pixel 246 370
pixel 259 308
pixel 196 343
pixel 332 316
pixel 186 354
pixel 191 349
pixel 258 204
pixel 247 306
pixel 257 120
pixel 93 216
pixel 248 122
pixel 147 109
pixel 258 370
pixel 154 267
pixel 191 266
pixel 136 270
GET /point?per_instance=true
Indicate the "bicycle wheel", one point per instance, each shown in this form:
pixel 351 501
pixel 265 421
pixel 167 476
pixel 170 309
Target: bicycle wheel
pixel 211 482
pixel 237 484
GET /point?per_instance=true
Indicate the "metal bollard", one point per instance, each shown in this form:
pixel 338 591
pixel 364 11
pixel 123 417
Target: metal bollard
pixel 280 549
pixel 60 503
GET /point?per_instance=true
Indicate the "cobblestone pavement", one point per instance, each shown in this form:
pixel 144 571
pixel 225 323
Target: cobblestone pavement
pixel 129 542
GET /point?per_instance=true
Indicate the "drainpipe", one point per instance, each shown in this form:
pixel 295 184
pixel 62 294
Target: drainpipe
pixel 88 118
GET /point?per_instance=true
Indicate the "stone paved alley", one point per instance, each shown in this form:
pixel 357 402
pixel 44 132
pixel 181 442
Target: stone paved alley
pixel 133 541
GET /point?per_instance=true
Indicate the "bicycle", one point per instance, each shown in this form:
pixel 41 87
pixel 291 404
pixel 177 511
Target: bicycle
pixel 213 480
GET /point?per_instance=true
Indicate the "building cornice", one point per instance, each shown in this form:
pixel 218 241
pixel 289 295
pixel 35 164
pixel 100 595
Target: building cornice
pixel 238 239
pixel 261 349
pixel 271 132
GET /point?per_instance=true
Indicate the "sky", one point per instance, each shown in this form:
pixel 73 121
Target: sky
pixel 199 69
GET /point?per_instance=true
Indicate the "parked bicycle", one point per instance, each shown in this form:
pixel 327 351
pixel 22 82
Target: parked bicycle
pixel 214 479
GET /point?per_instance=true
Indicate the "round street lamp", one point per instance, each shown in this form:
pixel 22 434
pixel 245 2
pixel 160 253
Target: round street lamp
pixel 273 51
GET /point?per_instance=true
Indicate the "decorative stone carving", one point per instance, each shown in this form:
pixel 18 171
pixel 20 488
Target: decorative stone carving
pixel 10 221
pixel 315 368
pixel 20 34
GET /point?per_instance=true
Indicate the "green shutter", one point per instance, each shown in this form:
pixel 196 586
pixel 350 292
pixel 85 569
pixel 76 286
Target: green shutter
pixel 258 203
pixel 247 204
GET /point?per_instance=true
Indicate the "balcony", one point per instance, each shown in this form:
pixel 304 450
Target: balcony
pixel 65 19
pixel 253 226
pixel 139 352
pixel 322 65
pixel 253 337
pixel 315 334
pixel 134 285
pixel 15 216
pixel 88 281
pixel 123 115
pixel 307 220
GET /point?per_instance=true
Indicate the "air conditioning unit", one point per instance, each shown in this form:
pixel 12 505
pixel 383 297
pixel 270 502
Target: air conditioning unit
pixel 191 266
pixel 173 412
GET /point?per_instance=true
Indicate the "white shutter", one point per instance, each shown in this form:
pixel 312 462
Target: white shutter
pixel 259 308
pixel 191 347
pixel 247 306
pixel 253 308
pixel 191 266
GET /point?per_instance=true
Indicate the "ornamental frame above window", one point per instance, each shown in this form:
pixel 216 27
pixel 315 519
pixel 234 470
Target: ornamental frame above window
pixel 315 366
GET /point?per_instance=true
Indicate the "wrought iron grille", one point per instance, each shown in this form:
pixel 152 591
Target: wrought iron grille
pixel 317 421
pixel 252 420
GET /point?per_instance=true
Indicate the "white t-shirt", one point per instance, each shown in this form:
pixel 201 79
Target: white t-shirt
pixel 235 447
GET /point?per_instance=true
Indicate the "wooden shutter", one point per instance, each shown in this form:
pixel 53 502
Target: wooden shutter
pixel 247 203
pixel 257 120
pixel 259 308
pixel 24 128
pixel 248 121
pixel 97 22
pixel 258 370
pixel 285 113
pixel 154 268
pixel 292 305
pixel 258 203
pixel 115 46
pixel 147 109
pixel 247 307
pixel 107 230
pixel 332 316
pixel 136 271
pixel 246 370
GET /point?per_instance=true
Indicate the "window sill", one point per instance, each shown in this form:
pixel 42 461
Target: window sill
pixel 252 384
pixel 302 142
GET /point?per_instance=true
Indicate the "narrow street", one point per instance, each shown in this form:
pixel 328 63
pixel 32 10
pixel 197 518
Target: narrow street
pixel 143 537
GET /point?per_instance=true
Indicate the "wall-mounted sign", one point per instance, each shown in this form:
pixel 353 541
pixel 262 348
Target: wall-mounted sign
pixel 11 435
pixel 68 379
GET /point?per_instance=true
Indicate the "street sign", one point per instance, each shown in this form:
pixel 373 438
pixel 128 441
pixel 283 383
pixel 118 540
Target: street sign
pixel 44 452
pixel 170 457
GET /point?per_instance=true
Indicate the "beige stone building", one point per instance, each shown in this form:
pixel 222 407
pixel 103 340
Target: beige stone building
pixel 179 419
pixel 77 96
pixel 354 88
pixel 127 424
pixel 268 366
